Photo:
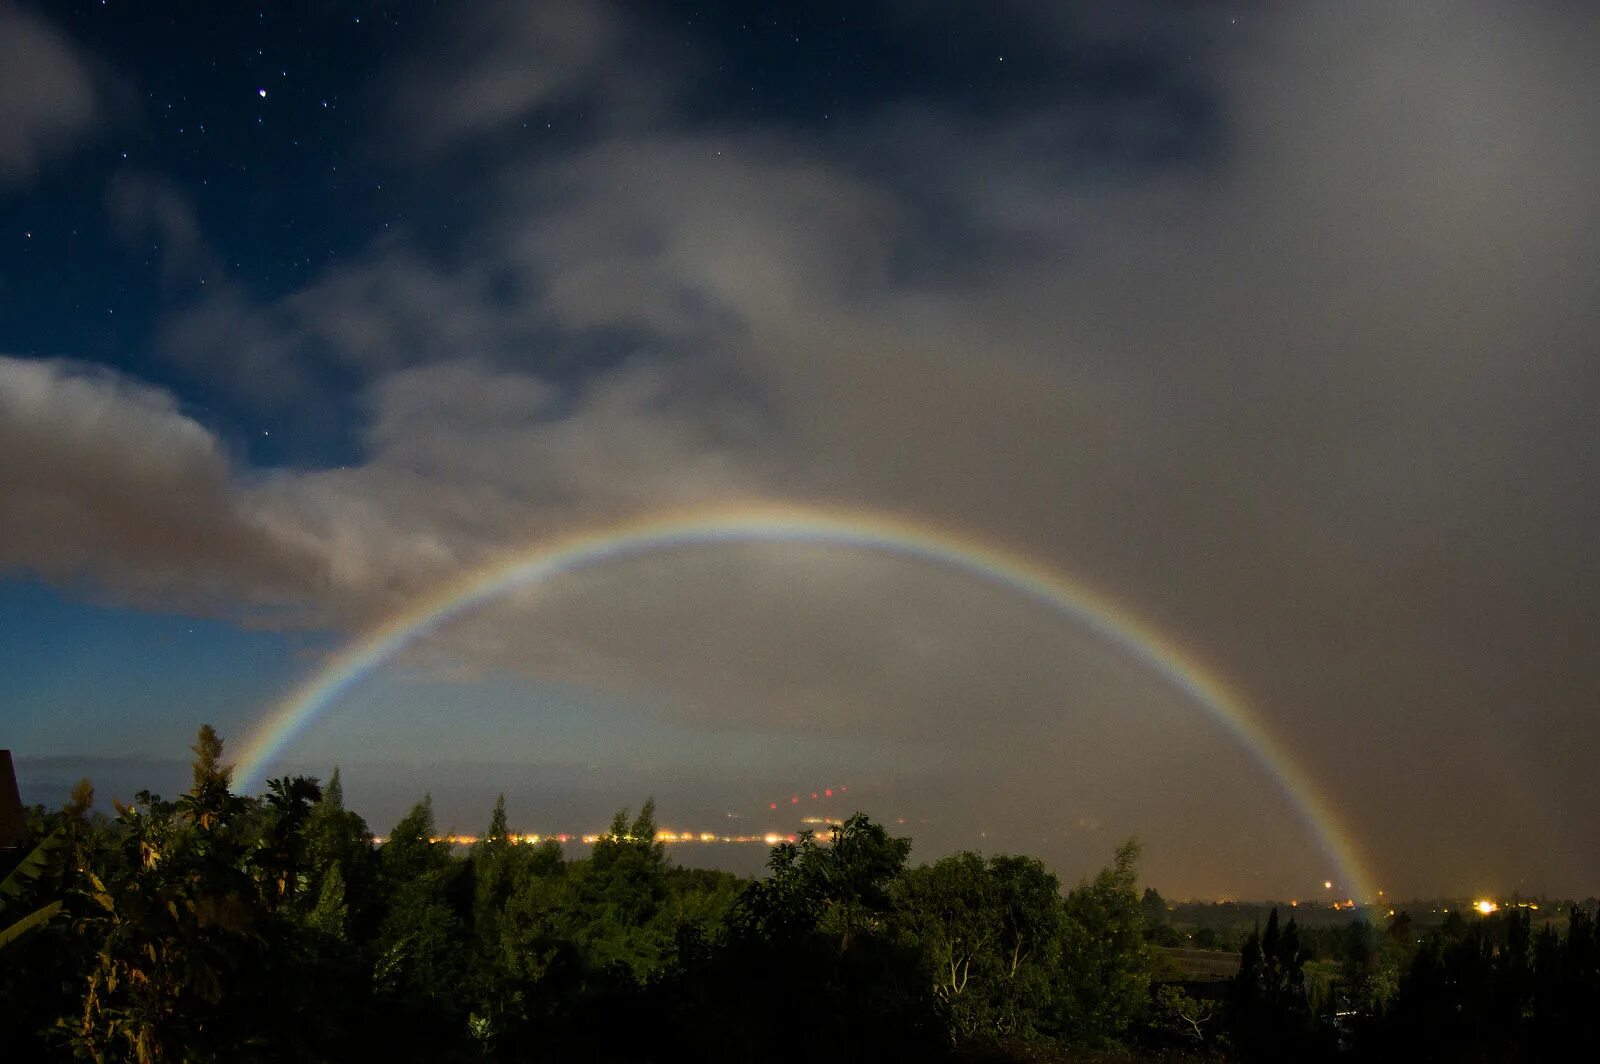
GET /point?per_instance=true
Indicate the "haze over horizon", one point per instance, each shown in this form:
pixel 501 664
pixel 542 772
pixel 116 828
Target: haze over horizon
pixel 1275 326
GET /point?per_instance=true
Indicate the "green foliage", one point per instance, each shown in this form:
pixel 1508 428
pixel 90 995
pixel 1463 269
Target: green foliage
pixel 333 837
pixel 1103 981
pixel 30 869
pixel 20 881
pixel 841 890
pixel 990 933
pixel 169 927
pixel 331 914
pixel 1194 1020
pixel 410 851
pixel 280 853
pixel 9 933
pixel 499 833
pixel 219 928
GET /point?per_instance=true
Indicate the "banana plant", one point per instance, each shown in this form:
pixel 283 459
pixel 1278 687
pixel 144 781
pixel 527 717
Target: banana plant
pixel 16 884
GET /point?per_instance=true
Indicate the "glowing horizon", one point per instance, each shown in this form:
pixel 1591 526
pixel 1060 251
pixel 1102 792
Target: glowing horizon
pixel 846 529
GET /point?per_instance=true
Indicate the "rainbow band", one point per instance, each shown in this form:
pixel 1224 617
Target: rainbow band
pixel 786 524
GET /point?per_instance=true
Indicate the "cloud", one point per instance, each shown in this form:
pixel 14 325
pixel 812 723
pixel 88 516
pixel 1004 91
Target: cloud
pixel 109 484
pixel 464 460
pixel 150 210
pixel 49 93
pixel 396 308
pixel 241 346
pixel 506 62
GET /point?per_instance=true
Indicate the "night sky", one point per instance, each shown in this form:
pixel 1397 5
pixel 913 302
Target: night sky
pixel 1275 324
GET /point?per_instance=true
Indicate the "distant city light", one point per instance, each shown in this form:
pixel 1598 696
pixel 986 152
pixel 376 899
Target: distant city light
pixel 1485 906
pixel 665 835
pixel 1327 884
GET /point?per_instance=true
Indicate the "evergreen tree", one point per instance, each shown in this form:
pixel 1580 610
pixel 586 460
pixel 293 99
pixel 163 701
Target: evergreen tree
pixel 499 834
pixel 410 851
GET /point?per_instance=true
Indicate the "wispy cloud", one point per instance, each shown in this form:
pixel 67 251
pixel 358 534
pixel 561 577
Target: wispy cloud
pixel 51 101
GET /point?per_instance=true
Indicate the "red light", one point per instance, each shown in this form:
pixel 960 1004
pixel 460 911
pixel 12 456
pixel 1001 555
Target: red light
pixel 813 795
pixel 795 800
pixel 828 792
pixel 772 805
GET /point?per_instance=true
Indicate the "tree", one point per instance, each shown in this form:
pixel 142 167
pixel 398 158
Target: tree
pixel 822 928
pixel 208 801
pixel 1362 986
pixel 619 893
pixel 1272 1016
pixel 419 968
pixel 338 838
pixel 989 933
pixel 79 801
pixel 499 834
pixel 1032 921
pixel 281 853
pixel 331 915
pixel 496 866
pixel 175 928
pixel 1103 979
pixel 1192 1018
pixel 951 909
pixel 410 851
pixel 1158 929
pixel 1153 908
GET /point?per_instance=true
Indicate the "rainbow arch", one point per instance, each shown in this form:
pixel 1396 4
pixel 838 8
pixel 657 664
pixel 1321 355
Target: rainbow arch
pixel 856 529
